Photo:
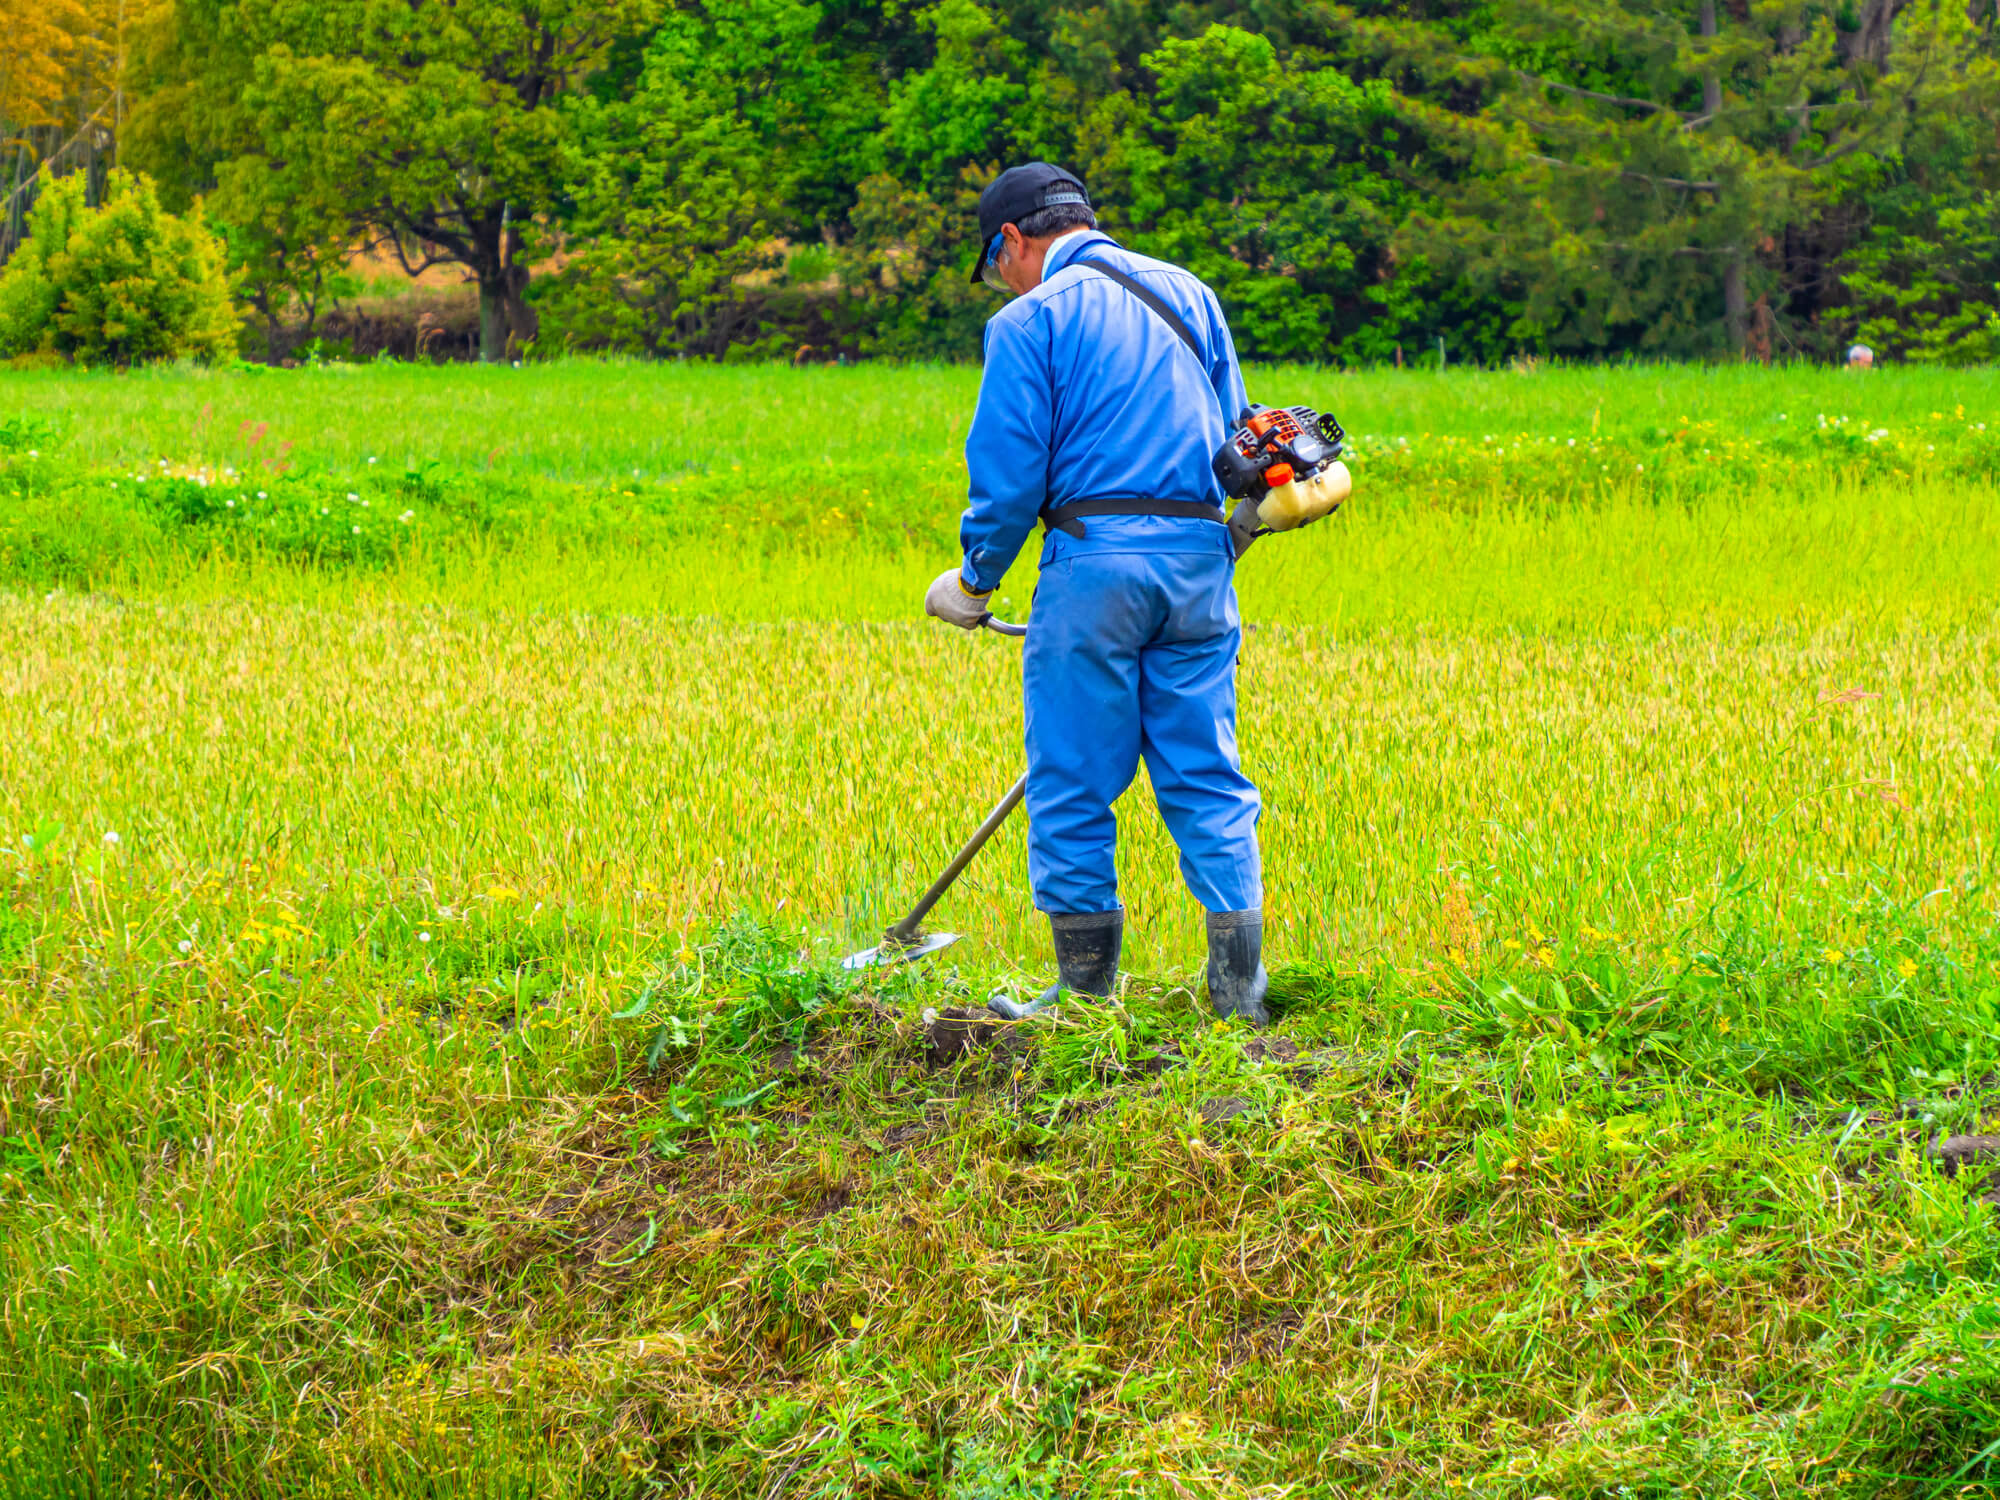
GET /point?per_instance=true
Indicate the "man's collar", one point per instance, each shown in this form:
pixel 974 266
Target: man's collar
pixel 1063 250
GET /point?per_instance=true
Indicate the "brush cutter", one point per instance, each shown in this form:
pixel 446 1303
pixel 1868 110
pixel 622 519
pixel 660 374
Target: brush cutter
pixel 905 940
pixel 1281 466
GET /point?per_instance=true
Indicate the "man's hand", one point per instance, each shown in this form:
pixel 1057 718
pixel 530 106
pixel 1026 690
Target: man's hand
pixel 949 599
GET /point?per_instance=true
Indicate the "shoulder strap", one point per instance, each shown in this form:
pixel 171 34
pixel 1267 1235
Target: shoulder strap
pixel 1167 315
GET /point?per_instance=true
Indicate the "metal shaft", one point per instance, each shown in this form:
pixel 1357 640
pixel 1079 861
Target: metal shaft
pixel 906 929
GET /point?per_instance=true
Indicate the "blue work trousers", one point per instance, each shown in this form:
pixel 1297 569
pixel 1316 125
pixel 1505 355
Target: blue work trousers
pixel 1132 652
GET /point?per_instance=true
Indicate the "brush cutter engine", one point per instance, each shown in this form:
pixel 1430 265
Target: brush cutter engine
pixel 1282 464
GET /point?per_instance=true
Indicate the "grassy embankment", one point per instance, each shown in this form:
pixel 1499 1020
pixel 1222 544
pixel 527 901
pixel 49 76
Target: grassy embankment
pixel 1630 807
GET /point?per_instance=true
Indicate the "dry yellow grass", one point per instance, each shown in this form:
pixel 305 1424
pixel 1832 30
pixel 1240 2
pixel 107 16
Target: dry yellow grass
pixel 679 771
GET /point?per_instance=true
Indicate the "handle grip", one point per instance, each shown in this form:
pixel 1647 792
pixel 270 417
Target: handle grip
pixel 1001 627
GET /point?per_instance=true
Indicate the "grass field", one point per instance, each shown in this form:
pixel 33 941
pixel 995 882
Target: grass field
pixel 432 802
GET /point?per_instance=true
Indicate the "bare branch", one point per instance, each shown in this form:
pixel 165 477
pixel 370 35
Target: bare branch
pixel 1725 250
pixel 1673 182
pixel 1570 88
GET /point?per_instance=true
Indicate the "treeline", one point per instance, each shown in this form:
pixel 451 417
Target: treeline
pixel 1423 179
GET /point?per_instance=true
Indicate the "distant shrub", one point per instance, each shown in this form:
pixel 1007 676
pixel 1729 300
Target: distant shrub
pixel 118 284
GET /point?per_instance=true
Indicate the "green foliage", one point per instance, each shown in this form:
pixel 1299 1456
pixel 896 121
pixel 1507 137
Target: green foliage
pixel 437 128
pixel 118 284
pixel 1269 182
pixel 1924 283
pixel 1932 297
pixel 673 184
pixel 796 178
pixel 962 107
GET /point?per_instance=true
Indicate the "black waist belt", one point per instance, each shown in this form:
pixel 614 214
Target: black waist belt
pixel 1069 517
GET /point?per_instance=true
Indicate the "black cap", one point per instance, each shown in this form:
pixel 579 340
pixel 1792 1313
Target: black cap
pixel 1018 192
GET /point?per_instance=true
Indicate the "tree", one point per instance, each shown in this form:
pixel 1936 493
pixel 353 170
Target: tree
pixel 682 187
pixel 1922 280
pixel 434 125
pixel 1641 164
pixel 62 93
pixel 116 284
pixel 1266 181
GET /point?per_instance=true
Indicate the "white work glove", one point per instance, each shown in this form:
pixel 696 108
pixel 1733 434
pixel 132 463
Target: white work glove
pixel 949 599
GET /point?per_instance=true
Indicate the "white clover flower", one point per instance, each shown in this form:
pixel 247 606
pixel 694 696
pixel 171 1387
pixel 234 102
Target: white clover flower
pixel 229 504
pixel 111 839
pixel 406 517
pixel 371 458
pixel 185 944
pixel 357 531
pixel 262 496
pixel 352 497
pixel 423 937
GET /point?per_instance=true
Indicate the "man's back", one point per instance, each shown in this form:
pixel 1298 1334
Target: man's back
pixel 1089 395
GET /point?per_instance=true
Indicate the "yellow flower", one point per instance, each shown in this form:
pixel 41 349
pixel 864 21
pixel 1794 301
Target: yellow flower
pixel 1907 968
pixel 1722 1026
pixel 1546 955
pixel 1511 943
pixel 1834 956
pixel 502 893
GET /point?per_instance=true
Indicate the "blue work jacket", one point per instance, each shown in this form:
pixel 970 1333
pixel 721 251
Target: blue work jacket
pixel 1089 395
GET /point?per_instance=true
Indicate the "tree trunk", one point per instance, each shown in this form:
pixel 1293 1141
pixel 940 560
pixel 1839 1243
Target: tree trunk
pixel 522 321
pixel 505 319
pixel 1735 305
pixel 492 320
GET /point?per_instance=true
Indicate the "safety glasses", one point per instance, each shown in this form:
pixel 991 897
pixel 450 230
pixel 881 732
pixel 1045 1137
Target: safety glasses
pixel 989 270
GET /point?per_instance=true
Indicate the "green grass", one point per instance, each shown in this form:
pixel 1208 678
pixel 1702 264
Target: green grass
pixel 584 422
pixel 423 1069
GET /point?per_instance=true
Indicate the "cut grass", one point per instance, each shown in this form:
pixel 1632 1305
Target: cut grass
pixel 391 1104
pixel 1412 1249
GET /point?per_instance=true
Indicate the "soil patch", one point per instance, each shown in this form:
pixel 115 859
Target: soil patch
pixel 955 1033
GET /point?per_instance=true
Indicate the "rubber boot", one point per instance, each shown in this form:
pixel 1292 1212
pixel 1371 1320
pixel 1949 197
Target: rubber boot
pixel 1236 979
pixel 1087 945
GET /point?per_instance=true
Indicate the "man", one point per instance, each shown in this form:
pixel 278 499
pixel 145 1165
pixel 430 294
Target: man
pixel 1099 417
